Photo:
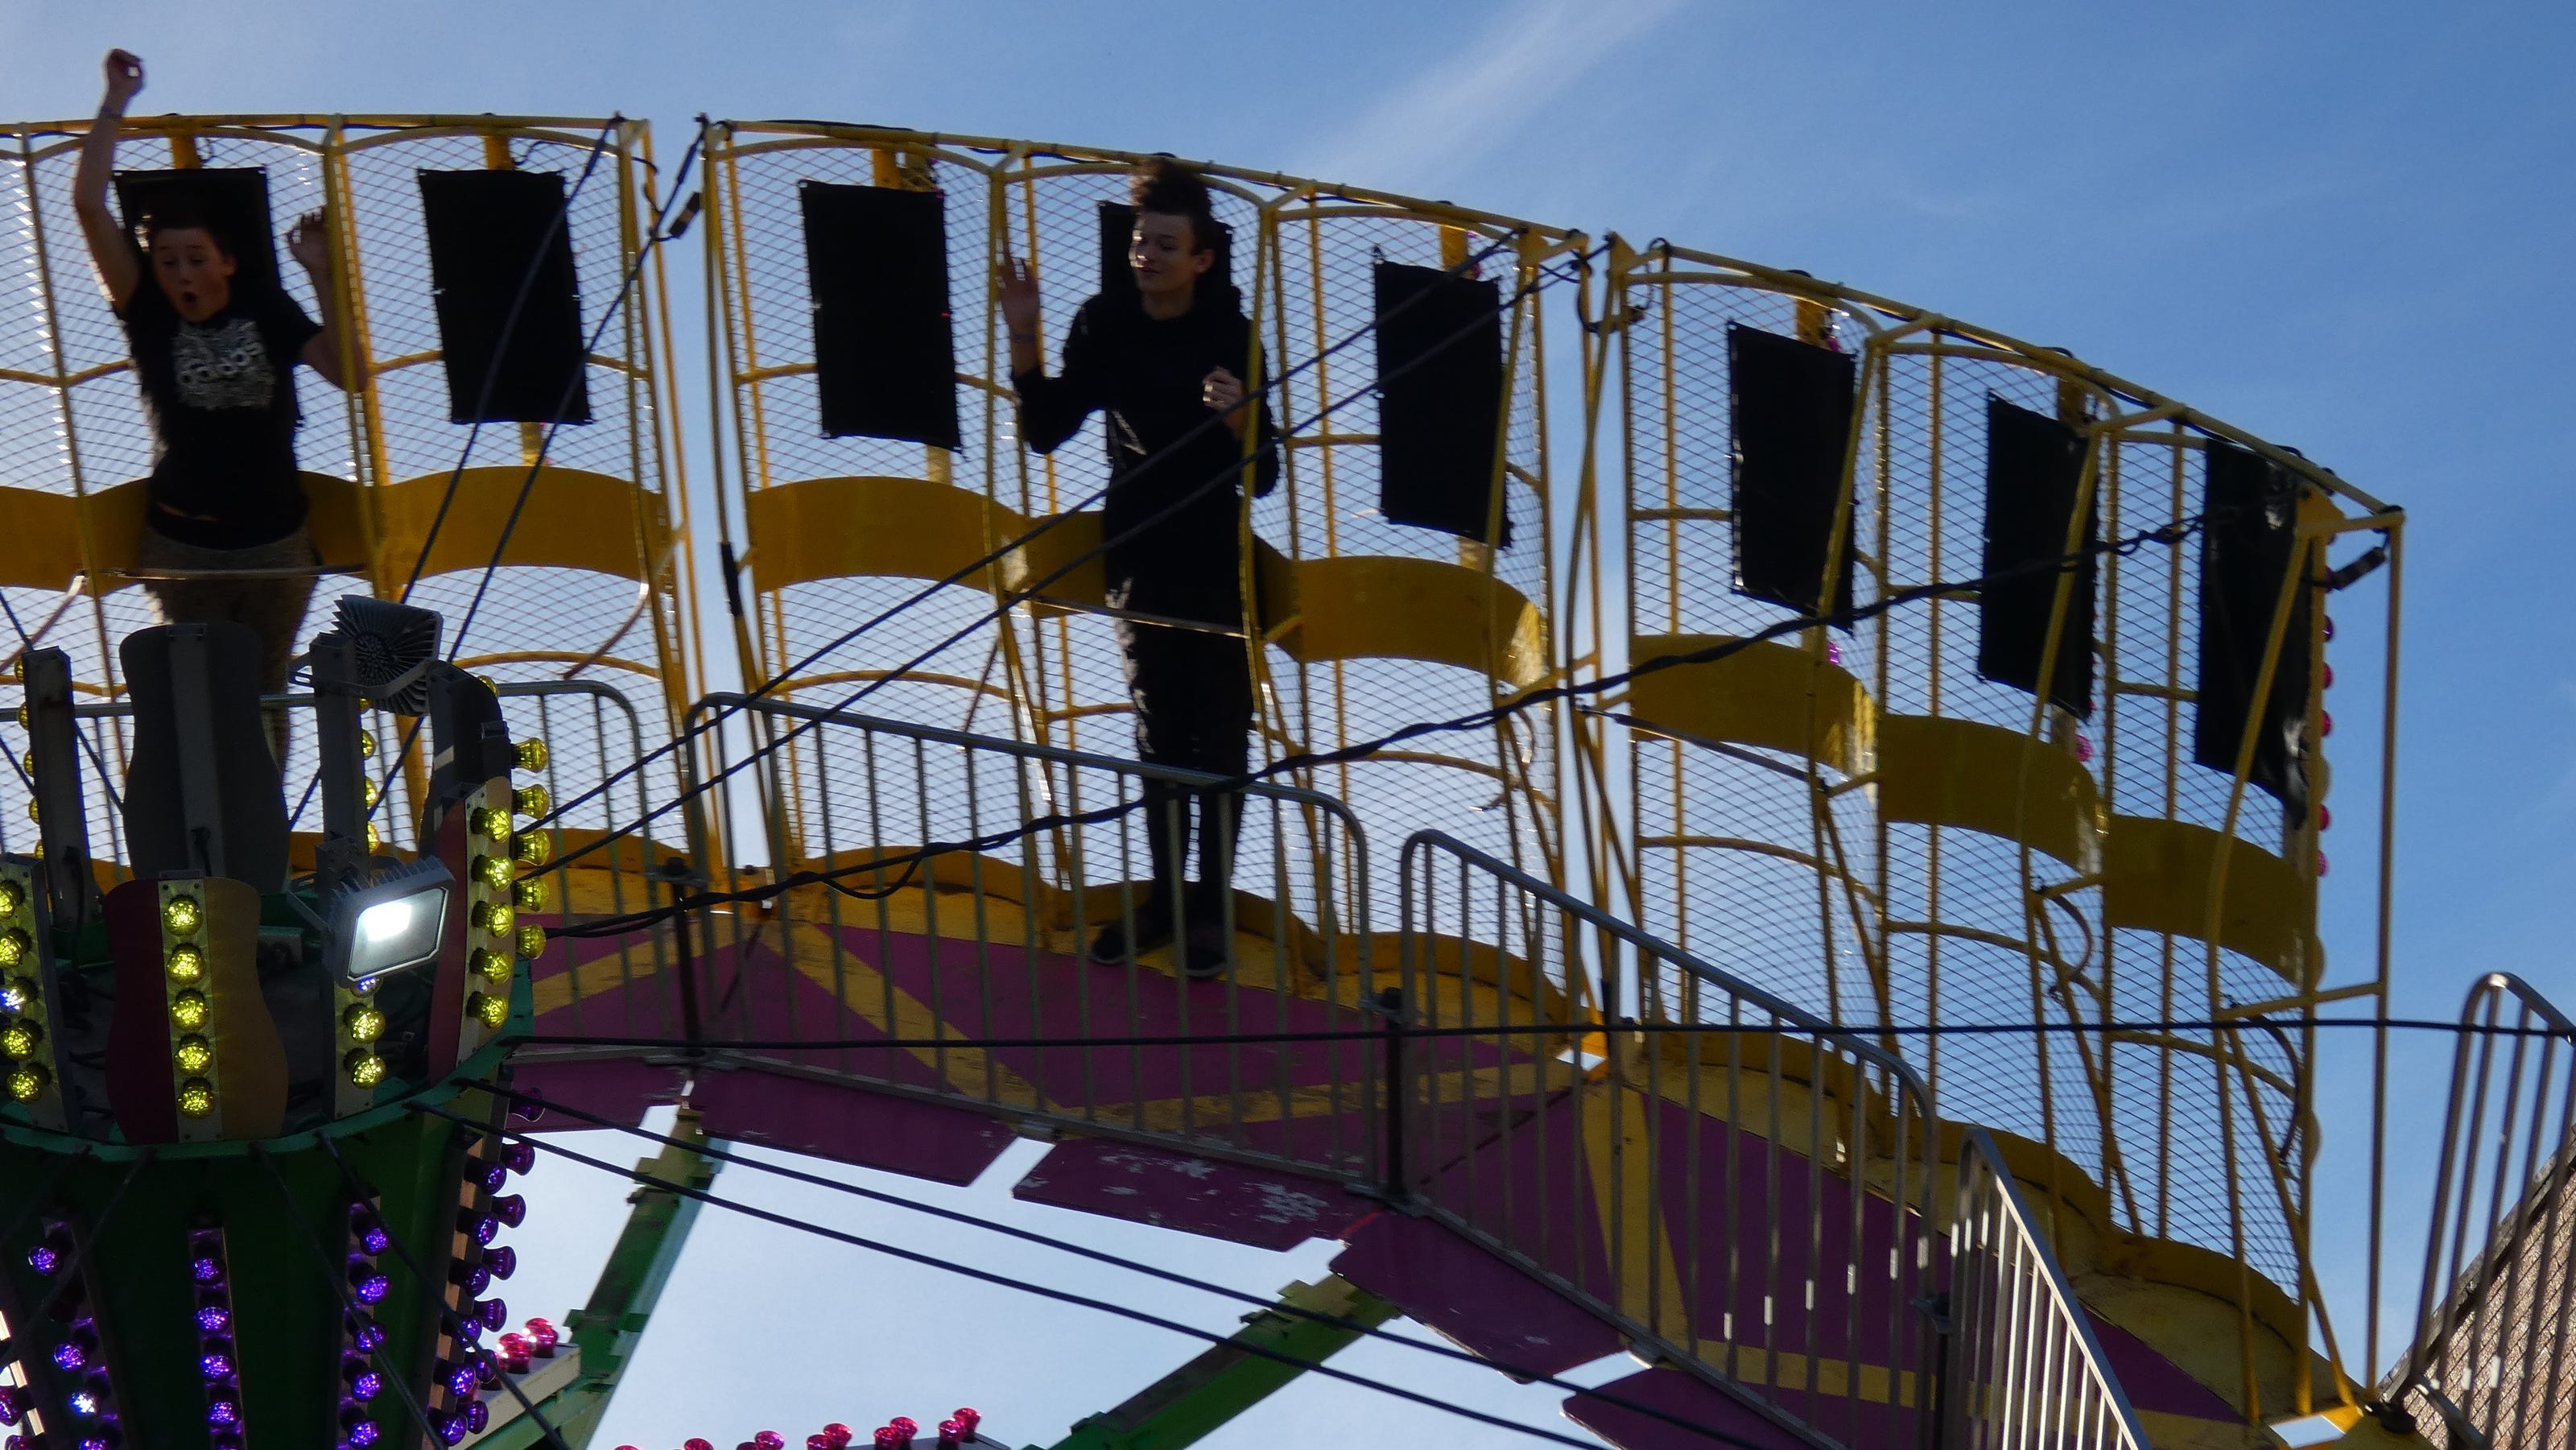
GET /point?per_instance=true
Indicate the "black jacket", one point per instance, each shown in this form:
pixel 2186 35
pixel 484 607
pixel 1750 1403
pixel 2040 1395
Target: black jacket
pixel 1167 449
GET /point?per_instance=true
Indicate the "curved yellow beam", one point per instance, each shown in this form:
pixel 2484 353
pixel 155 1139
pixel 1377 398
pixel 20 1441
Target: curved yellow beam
pixel 912 528
pixel 40 531
pixel 1935 771
pixel 573 519
pixel 1769 695
pixel 2155 877
pixel 1371 607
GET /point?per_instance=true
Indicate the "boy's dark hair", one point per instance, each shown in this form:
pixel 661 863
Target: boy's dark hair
pixel 1172 187
pixel 183 214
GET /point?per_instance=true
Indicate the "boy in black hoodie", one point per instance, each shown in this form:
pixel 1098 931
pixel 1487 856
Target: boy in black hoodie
pixel 1163 367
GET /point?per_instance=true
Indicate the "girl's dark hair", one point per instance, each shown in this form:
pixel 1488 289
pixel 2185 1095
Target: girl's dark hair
pixel 183 214
pixel 1171 187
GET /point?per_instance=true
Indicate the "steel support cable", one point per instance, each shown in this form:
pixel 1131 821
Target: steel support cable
pixel 437 1289
pixel 634 273
pixel 1102 1256
pixel 1066 1296
pixel 393 1375
pixel 910 861
pixel 691 733
pixel 1516 1029
pixel 501 349
pixel 483 399
pixel 536 466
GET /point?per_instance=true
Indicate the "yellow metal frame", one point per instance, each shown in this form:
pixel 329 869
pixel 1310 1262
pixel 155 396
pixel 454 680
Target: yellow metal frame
pixel 1323 609
pixel 1921 764
pixel 628 524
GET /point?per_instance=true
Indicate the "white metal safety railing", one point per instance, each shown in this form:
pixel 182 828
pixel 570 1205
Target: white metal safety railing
pixel 2024 1367
pixel 2489 1366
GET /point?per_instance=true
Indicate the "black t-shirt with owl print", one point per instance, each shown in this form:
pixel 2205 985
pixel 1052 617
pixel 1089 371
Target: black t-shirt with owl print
pixel 221 395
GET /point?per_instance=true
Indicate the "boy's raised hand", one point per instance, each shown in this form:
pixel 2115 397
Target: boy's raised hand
pixel 1015 288
pixel 124 71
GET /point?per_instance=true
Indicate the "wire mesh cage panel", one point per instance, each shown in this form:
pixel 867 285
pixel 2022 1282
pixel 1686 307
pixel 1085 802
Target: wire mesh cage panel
pixel 553 555
pixel 982 587
pixel 1882 816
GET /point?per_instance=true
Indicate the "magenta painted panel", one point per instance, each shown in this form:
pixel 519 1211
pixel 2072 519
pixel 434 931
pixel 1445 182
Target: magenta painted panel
pixel 1520 1173
pixel 2151 1381
pixel 849 1124
pixel 1473 1297
pixel 999 990
pixel 1261 1207
pixel 621 1090
pixel 1726 1420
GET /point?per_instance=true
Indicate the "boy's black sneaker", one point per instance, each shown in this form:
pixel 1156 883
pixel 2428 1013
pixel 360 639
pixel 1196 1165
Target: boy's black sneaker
pixel 1113 946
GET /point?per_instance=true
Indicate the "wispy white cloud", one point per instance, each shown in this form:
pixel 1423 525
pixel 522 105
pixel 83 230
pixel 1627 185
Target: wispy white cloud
pixel 1472 101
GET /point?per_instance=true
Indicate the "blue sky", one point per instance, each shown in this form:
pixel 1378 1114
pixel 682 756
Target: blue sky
pixel 2311 220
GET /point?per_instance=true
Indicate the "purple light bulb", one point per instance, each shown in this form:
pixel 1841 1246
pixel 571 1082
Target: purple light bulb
pixel 477 1416
pixel 511 1209
pixel 502 1261
pixel 521 1157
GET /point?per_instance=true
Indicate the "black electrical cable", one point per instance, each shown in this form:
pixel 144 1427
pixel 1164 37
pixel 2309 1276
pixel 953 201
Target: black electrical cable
pixel 2168 534
pixel 501 349
pixel 437 1290
pixel 393 1375
pixel 1063 1296
pixel 1574 1029
pixel 1016 598
pixel 1204 1286
pixel 483 399
pixel 634 273
pixel 97 1225
pixel 654 238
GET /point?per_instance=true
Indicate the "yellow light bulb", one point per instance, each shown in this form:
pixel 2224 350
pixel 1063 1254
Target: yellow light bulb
pixel 21 1039
pixel 529 894
pixel 490 1011
pixel 182 915
pixel 375 838
pixel 366 744
pixel 22 717
pixel 485 962
pixel 492 916
pixel 188 1009
pixel 363 1023
pixel 489 821
pixel 364 1068
pixel 28 1081
pixel 368 791
pixel 533 848
pixel 195 1054
pixel 31 811
pixel 13 898
pixel 187 963
pixel 531 754
pixel 14 946
pixel 531 800
pixel 196 1098
pixel 532 940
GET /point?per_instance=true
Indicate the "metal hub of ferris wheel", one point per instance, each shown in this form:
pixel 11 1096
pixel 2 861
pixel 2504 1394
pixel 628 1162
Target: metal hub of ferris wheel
pixel 1786 833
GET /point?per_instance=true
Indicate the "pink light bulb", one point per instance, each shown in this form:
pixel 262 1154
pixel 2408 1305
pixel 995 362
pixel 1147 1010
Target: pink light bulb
pixel 770 1440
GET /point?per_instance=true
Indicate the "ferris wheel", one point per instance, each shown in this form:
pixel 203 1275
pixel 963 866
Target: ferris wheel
pixel 1783 833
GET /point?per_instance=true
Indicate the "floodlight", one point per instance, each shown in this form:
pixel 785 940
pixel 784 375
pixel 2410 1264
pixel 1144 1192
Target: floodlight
pixel 394 921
